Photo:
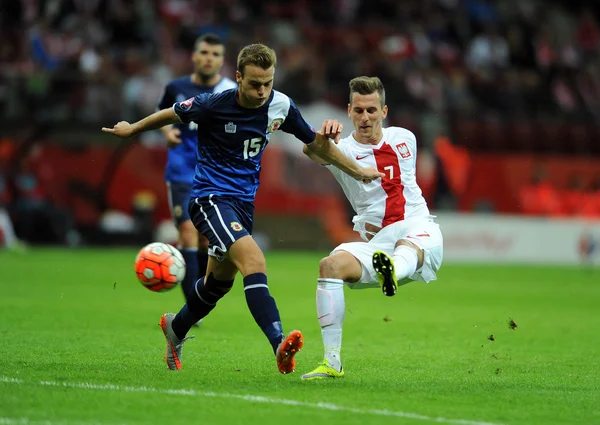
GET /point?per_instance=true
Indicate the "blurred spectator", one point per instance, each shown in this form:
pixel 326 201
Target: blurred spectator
pixel 300 75
pixel 426 87
pixel 488 50
pixel 588 33
pixel 453 166
pixel 458 94
pixel 564 95
pixel 591 202
pixel 539 197
pixel 522 53
pixel 39 220
pixel 573 196
pixel 481 11
pixel 588 86
pixel 545 48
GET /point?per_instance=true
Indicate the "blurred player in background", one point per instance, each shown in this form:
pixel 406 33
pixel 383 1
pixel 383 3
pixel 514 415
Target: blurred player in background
pixel 8 237
pixel 182 139
pixel 234 128
pixel 402 241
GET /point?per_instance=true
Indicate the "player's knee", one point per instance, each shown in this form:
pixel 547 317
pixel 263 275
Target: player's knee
pixel 252 261
pixel 254 264
pixel 330 268
pixel 419 251
pixel 247 256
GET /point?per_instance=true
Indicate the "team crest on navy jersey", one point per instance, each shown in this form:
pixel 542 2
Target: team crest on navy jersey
pixel 403 149
pixel 236 226
pixel 275 124
pixel 230 128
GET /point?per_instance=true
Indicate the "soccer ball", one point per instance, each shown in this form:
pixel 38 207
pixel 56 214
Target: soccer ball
pixel 159 266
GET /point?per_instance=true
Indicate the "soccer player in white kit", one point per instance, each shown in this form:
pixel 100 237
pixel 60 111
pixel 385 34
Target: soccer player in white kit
pixel 402 243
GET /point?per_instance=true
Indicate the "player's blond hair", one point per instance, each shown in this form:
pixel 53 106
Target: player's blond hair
pixel 256 54
pixel 367 85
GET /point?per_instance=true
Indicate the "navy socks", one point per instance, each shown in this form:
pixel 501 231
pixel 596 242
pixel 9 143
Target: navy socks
pixel 263 308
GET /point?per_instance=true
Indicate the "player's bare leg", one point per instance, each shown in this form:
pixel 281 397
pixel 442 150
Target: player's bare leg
pixel 334 270
pixel 250 260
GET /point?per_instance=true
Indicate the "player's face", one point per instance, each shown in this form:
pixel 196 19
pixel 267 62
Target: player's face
pixel 255 85
pixel 208 59
pixel 367 115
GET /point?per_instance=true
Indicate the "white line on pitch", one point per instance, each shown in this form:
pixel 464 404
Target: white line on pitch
pixel 251 398
pixel 27 421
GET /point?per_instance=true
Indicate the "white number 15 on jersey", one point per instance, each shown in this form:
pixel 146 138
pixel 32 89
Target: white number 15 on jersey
pixel 252 147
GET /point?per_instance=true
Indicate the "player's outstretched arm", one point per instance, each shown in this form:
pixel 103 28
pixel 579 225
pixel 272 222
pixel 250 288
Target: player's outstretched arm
pixel 312 156
pixel 330 154
pixel 123 129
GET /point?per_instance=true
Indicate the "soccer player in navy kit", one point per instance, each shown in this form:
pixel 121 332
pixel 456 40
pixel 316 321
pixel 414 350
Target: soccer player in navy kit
pixel 182 140
pixel 234 128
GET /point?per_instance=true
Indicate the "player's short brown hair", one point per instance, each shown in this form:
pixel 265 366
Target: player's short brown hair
pixel 367 85
pixel 256 54
pixel 209 38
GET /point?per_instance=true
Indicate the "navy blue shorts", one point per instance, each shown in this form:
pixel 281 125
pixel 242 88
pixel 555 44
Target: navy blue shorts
pixel 222 220
pixel 179 198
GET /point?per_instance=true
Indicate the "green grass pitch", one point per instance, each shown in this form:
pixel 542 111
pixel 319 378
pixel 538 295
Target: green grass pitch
pixel 80 345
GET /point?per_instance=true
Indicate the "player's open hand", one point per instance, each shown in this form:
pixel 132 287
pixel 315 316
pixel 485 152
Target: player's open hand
pixel 172 136
pixel 369 174
pixel 332 129
pixel 122 129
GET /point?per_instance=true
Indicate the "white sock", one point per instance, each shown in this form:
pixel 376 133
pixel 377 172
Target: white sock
pixel 331 308
pixel 405 261
pixel 7 228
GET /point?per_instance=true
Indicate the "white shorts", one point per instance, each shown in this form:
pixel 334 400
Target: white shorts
pixel 422 231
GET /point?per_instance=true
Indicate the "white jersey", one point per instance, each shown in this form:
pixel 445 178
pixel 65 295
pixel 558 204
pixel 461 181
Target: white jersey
pixel 394 197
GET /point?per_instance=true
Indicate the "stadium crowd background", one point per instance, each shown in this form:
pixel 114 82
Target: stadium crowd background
pixel 468 77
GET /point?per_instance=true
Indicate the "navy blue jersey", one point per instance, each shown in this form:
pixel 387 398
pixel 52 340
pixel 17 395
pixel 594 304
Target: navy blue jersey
pixel 231 140
pixel 181 159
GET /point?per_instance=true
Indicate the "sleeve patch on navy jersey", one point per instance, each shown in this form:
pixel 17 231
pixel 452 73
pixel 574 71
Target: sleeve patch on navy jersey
pixel 185 105
pixel 275 124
